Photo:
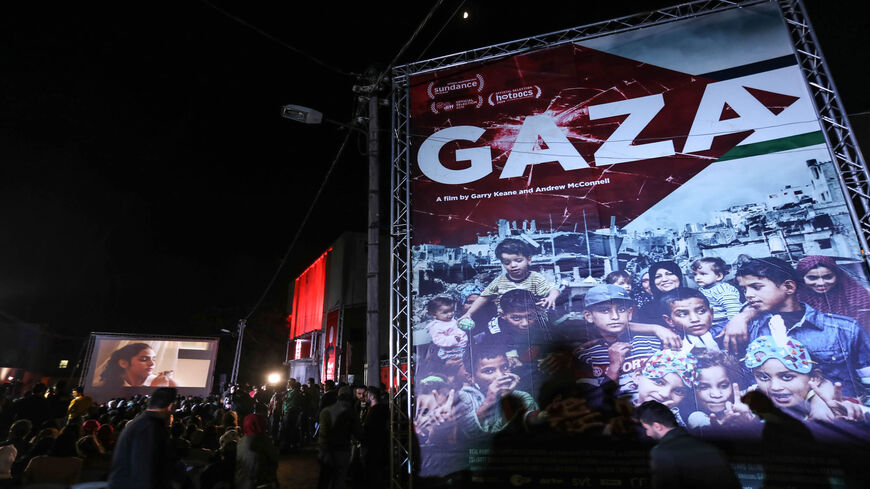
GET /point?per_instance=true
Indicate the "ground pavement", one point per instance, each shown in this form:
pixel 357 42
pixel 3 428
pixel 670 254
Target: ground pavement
pixel 298 470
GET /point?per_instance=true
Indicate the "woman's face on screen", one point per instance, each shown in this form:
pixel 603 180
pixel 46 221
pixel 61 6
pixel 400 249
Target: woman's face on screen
pixel 140 366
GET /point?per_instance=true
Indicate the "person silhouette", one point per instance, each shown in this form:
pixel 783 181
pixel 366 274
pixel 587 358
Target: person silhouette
pixel 679 460
pixel 785 444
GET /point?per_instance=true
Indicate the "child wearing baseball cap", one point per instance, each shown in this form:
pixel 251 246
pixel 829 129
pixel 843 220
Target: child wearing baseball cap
pixel 615 353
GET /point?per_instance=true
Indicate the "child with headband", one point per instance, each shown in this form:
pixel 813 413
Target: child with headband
pixel 667 377
pixel 839 344
pixel 785 373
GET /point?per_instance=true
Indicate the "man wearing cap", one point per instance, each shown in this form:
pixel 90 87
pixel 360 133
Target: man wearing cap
pixel 614 353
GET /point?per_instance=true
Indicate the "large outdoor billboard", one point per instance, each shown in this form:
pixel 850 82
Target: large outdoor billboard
pixel 648 215
pixel 125 365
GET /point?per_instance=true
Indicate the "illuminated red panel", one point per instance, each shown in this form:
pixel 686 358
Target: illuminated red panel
pixel 300 348
pixel 308 295
pixel 330 346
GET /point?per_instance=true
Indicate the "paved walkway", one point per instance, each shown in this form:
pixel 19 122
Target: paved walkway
pixel 298 470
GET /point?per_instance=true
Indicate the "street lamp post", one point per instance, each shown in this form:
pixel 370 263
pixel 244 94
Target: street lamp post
pixel 372 371
pixel 306 115
pixel 241 335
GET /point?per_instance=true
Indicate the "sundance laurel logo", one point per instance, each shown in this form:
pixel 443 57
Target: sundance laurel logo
pixel 438 107
pixel 503 96
pixel 472 84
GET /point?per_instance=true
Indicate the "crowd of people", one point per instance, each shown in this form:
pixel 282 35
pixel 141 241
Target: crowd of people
pixel 493 361
pixel 493 358
pixel 234 439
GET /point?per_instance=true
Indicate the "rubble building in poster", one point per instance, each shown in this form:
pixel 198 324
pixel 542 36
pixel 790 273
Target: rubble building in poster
pixel 656 147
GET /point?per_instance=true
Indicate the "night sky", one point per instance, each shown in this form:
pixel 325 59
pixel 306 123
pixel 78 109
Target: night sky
pixel 147 181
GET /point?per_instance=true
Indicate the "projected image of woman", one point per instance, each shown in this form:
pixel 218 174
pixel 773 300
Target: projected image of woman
pixel 132 366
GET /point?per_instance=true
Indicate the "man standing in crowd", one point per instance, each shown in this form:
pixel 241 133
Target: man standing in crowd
pixel 329 394
pixel 290 410
pixel 376 440
pixel 276 406
pixel 680 460
pixel 338 423
pixel 240 401
pixel 33 407
pixel 80 404
pixel 360 406
pixel 143 455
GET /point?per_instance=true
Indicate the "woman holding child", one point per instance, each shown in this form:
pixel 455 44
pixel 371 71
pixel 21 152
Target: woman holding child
pixel 663 277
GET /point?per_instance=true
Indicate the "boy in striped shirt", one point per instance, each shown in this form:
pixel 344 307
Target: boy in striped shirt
pixel 515 256
pixel 617 354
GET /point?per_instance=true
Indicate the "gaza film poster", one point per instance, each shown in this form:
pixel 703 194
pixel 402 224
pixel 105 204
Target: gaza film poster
pixel 590 219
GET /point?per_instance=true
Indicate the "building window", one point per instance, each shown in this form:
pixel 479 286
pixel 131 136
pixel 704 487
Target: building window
pixel 825 244
pixel 63 364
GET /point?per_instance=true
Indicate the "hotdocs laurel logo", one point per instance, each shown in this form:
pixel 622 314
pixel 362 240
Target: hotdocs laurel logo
pixel 503 96
pixel 473 84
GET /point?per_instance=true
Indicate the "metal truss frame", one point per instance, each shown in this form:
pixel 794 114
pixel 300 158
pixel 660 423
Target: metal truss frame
pixel 400 339
pixel 590 31
pixel 854 176
pixel 845 153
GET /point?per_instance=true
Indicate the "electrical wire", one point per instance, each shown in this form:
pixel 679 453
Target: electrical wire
pixel 437 34
pixel 301 226
pixel 405 47
pixel 275 39
pixel 338 154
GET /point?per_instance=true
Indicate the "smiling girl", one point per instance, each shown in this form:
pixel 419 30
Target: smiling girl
pixel 716 392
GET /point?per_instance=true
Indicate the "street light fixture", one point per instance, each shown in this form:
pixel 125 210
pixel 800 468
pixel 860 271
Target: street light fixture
pixel 301 114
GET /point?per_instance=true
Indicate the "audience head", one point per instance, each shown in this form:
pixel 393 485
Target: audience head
pixel 162 398
pixel 656 418
pixel 88 447
pixel 345 394
pixel 39 389
pixel 20 429
pixel 90 427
